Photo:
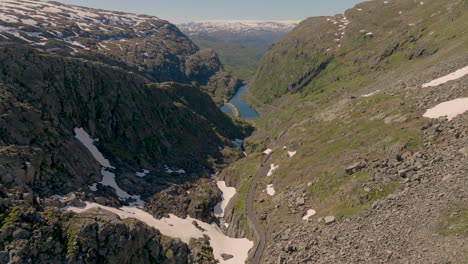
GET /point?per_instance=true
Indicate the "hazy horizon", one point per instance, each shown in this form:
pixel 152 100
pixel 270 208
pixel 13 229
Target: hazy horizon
pixel 182 11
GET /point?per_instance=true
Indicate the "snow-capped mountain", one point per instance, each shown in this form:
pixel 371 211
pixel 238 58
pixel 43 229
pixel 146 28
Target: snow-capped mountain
pixel 37 22
pixel 141 43
pixel 237 26
pixel 239 43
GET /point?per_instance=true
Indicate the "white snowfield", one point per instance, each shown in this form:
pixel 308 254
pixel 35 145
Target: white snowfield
pixel 184 230
pixel 228 193
pixel 272 168
pixel 449 109
pixel 310 212
pixel 450 77
pixel 238 26
pixel 270 190
pixel 291 153
pixel 108 177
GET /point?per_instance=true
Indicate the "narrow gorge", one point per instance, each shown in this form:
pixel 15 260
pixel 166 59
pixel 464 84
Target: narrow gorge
pixel 335 139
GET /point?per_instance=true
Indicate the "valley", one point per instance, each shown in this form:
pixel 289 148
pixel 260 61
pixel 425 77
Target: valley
pixel 125 138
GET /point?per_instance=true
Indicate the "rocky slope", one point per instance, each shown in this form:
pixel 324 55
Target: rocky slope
pixel 160 128
pixel 360 172
pixel 143 44
pixel 240 44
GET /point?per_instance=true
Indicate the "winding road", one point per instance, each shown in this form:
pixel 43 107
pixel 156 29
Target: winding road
pixel 251 214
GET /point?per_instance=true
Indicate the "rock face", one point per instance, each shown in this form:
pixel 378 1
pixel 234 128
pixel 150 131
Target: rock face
pixel 143 44
pixel 55 236
pixel 136 123
pixel 189 199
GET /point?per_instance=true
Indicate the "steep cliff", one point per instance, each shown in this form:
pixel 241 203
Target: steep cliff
pixel 43 99
pixel 146 45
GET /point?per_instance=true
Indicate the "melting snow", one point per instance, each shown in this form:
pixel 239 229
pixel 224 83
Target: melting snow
pixel 272 168
pixel 310 213
pixel 228 193
pixel 168 170
pixel 108 178
pixel 88 142
pixel 93 187
pixel 270 189
pixel 142 174
pixel 184 230
pixel 267 151
pixel 449 109
pixel 291 153
pixel 450 77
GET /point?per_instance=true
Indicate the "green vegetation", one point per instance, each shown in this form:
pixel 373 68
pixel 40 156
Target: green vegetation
pixel 8 217
pixel 236 58
pixel 454 222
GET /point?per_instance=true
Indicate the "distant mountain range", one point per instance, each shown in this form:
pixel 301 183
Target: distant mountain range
pixel 196 29
pixel 239 43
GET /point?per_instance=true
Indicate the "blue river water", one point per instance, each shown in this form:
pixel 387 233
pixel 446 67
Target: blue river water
pixel 245 111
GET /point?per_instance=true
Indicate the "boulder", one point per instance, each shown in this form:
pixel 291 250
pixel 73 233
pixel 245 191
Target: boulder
pixel 354 168
pixel 329 219
pixel 300 201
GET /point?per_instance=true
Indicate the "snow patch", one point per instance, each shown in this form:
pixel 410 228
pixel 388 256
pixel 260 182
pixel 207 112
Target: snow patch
pixel 310 213
pixel 88 142
pixel 142 174
pixel 450 77
pixel 93 187
pixel 169 170
pixel 370 94
pixel 228 193
pixel 291 153
pixel 184 230
pixel 267 151
pixel 272 168
pixel 450 109
pixel 108 177
pixel 270 189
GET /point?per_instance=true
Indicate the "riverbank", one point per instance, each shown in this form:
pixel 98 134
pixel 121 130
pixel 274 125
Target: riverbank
pixel 233 108
pixel 238 107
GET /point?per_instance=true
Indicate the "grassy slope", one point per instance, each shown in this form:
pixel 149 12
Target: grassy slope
pixel 328 128
pixel 236 58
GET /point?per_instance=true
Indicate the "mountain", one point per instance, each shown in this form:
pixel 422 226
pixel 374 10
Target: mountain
pixel 143 44
pixel 108 110
pixel 240 43
pixel 360 152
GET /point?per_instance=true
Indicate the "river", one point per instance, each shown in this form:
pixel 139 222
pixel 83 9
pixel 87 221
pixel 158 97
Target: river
pixel 245 111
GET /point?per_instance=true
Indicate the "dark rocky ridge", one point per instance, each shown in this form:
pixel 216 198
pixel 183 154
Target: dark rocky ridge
pixel 147 45
pixel 43 97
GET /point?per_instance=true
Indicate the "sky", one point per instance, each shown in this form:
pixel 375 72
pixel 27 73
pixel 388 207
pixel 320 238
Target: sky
pixel 180 11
